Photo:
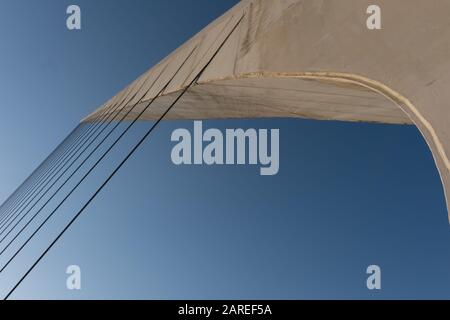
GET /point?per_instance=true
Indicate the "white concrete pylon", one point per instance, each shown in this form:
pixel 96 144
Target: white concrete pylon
pixel 317 59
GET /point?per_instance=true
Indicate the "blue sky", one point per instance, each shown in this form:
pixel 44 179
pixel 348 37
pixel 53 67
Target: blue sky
pixel 348 195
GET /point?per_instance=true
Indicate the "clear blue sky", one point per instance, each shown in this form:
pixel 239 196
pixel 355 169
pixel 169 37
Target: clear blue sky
pixel 348 195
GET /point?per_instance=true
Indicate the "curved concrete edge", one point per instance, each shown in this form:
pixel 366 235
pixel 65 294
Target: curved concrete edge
pixel 401 101
pixel 425 128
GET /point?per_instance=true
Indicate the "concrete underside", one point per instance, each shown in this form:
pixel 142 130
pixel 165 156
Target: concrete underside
pixel 312 59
